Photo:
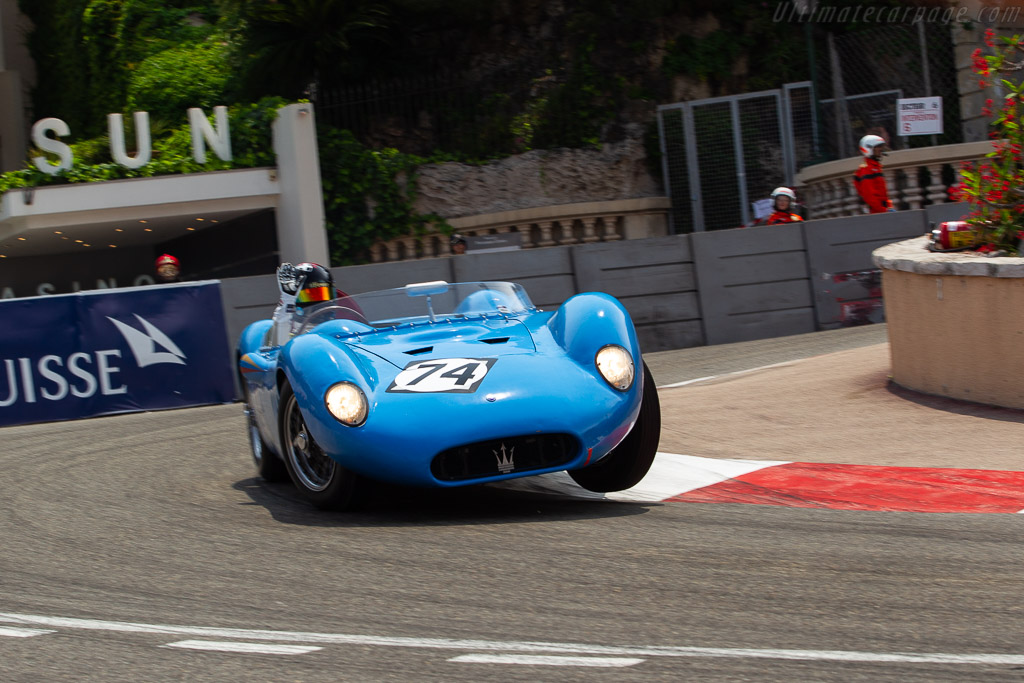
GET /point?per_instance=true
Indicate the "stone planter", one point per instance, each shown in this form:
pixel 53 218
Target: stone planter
pixel 956 322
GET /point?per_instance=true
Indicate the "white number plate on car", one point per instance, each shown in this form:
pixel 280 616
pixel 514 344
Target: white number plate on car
pixel 442 375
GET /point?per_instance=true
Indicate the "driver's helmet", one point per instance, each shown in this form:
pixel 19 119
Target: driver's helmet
pixel 313 283
pixel 783 192
pixel 869 143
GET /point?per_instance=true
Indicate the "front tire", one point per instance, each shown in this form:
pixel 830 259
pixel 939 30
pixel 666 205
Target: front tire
pixel 628 462
pixel 268 465
pixel 319 479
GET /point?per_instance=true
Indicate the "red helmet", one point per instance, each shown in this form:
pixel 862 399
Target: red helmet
pixel 166 259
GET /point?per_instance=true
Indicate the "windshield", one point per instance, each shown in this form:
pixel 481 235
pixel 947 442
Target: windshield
pixel 421 302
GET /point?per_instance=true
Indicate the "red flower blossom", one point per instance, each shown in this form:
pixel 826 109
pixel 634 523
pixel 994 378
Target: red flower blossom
pixel 993 188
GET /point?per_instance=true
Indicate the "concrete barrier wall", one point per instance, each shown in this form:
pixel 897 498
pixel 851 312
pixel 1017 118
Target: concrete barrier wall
pixel 682 290
pixel 655 281
pixel 246 300
pixel 547 274
pixel 845 283
pixel 753 283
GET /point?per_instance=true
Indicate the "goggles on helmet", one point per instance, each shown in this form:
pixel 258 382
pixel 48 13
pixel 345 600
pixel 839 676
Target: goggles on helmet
pixel 315 294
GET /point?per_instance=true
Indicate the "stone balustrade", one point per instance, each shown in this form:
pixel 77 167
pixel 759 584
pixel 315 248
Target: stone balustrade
pixel 543 226
pixel 914 177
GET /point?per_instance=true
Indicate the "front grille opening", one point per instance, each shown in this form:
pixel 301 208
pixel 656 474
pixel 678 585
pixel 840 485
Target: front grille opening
pixel 504 456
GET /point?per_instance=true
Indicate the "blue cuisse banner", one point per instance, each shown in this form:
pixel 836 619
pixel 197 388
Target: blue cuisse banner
pixel 92 353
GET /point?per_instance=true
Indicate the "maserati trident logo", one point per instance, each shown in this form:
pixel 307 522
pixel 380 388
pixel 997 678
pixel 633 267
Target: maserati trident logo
pixel 144 344
pixel 505 462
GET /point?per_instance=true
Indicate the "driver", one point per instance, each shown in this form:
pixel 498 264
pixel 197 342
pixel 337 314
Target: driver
pixel 302 285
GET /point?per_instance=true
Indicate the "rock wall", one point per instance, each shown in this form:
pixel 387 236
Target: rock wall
pixel 539 178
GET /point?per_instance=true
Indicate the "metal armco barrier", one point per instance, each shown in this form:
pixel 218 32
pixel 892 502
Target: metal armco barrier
pixel 95 353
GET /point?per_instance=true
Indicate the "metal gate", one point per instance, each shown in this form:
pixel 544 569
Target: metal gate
pixel 723 153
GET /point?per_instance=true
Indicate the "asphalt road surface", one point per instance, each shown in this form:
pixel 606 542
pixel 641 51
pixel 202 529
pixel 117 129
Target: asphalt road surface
pixel 141 548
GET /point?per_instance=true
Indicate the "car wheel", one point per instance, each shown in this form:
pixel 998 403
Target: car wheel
pixel 320 480
pixel 268 465
pixel 628 462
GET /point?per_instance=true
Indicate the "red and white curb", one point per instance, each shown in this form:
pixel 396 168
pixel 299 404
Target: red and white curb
pixel 689 479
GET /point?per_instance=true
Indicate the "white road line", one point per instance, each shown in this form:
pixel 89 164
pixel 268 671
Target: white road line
pixel 987 659
pixel 728 374
pixel 23 632
pixel 246 648
pixel 542 660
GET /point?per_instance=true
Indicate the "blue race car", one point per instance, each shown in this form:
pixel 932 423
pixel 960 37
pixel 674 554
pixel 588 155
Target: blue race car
pixel 437 384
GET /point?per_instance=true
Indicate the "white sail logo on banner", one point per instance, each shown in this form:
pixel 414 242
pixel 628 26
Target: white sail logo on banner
pixel 144 344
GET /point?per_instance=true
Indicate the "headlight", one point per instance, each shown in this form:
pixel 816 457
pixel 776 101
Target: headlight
pixel 347 403
pixel 616 366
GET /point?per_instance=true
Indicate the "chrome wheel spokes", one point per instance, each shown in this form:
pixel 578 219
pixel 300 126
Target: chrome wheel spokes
pixel 311 465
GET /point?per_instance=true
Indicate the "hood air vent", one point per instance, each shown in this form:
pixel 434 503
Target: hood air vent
pixel 416 352
pixel 495 340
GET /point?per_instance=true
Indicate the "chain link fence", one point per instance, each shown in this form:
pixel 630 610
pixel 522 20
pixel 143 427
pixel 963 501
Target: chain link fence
pixel 441 110
pixel 721 155
pixel 862 74
pixel 471 114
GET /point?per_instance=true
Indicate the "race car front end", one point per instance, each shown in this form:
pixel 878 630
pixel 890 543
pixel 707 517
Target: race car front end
pixel 463 420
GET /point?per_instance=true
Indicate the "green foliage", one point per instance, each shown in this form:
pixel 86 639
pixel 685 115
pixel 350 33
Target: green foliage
pixel 102 54
pixel 775 52
pixel 368 196
pixel 86 50
pixel 578 108
pixel 147 27
pixel 710 58
pixel 56 49
pixel 168 83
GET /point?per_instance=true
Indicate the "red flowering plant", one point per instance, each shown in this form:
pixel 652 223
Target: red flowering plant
pixel 994 188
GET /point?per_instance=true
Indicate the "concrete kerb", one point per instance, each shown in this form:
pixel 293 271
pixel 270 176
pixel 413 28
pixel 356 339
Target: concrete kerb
pixel 912 256
pixel 964 302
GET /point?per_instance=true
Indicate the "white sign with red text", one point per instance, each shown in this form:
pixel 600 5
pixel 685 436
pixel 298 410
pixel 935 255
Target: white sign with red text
pixel 919 116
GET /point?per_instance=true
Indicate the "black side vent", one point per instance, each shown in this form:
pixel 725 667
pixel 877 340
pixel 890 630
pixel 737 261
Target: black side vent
pixel 495 340
pixel 416 352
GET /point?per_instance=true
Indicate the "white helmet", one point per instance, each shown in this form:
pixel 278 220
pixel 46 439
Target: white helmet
pixel 784 192
pixel 868 143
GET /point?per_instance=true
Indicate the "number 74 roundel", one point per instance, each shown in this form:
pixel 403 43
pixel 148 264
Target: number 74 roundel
pixel 442 375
